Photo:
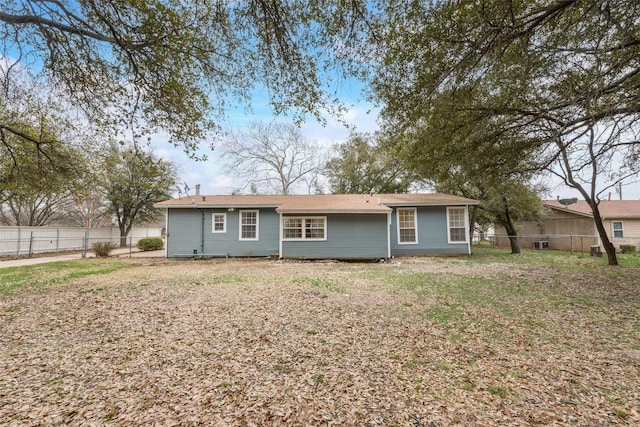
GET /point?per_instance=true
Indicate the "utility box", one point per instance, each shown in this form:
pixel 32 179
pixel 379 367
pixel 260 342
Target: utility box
pixel 541 244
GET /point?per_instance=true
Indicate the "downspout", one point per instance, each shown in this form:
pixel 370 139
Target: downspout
pixel 280 235
pixel 202 232
pixel 388 235
pixel 467 229
pixel 166 235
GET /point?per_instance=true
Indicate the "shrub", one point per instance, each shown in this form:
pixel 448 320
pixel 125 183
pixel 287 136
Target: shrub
pixel 150 244
pixel 103 249
pixel 628 249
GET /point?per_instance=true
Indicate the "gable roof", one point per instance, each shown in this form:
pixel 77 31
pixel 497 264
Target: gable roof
pixel 319 203
pixel 609 209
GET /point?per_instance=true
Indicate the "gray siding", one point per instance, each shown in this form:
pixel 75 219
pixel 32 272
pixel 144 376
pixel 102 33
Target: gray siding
pixel 183 232
pixel 192 229
pixel 348 236
pixel 432 234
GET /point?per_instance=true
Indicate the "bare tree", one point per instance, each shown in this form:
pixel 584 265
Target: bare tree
pixel 275 158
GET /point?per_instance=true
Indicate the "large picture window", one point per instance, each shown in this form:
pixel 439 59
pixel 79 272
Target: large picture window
pixel 248 225
pixel 407 227
pixel 457 220
pixel 618 231
pixel 219 223
pixel 304 228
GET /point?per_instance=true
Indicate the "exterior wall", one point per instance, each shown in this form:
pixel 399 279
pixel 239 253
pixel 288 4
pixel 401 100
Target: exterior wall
pixel 349 236
pixel 183 232
pixel 631 232
pixel 355 236
pixel 190 230
pixel 432 234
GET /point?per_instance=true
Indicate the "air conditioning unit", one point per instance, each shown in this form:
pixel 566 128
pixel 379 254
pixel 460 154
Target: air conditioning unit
pixel 541 244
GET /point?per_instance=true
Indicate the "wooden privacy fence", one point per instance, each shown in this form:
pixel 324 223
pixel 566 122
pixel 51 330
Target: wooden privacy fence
pixel 21 241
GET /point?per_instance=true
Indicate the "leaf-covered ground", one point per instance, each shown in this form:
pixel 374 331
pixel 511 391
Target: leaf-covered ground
pixel 422 341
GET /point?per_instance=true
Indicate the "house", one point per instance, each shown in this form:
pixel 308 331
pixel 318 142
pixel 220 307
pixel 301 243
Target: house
pixel 621 220
pixel 571 226
pixel 340 226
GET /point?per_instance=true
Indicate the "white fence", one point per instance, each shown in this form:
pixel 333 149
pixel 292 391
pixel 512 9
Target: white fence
pixel 18 241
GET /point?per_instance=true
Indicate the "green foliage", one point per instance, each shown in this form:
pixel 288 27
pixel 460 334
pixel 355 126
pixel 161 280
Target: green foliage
pixel 515 86
pixel 150 244
pixel 133 181
pixel 103 249
pixel 628 249
pixel 362 165
pixel 175 64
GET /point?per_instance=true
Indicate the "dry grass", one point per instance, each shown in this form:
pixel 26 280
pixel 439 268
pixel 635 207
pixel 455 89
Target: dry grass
pixel 245 342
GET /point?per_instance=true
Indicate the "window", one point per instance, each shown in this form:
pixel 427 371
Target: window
pixel 248 225
pixel 407 227
pixel 304 228
pixel 219 224
pixel 457 220
pixel 618 232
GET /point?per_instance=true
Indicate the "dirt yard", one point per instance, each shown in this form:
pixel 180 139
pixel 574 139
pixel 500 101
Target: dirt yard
pixel 419 342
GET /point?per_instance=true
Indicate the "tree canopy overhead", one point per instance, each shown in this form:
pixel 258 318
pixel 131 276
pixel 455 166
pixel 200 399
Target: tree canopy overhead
pixel 538 85
pixel 179 65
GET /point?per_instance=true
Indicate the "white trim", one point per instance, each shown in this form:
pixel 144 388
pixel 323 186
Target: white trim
pixel 213 222
pixel 415 224
pixel 465 225
pixel 240 212
pixel 303 234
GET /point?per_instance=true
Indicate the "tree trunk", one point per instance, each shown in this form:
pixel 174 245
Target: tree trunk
pixel 511 229
pixel 609 248
pixel 123 237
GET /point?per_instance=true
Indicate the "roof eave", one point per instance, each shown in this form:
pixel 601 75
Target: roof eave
pixel 332 211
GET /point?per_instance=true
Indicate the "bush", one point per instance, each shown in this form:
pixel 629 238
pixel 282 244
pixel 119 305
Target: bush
pixel 150 244
pixel 628 249
pixel 103 249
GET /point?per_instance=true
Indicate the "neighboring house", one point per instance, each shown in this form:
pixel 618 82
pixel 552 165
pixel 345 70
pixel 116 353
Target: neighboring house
pixel 337 226
pixel 570 227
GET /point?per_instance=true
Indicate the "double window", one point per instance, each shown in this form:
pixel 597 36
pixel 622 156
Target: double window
pixel 248 225
pixel 304 228
pixel 457 221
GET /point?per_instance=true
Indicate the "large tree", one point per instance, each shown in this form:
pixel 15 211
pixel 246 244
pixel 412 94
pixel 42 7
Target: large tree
pixel 36 180
pixel 178 65
pixel 275 158
pixel 133 181
pixel 558 83
pixel 362 165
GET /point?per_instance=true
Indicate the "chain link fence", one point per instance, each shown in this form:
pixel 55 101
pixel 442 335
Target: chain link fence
pixel 581 243
pixel 29 241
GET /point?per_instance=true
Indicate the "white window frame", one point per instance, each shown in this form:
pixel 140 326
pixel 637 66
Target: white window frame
pixel 304 220
pixel 415 225
pixel 240 224
pixel 213 222
pixel 613 229
pixel 465 225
